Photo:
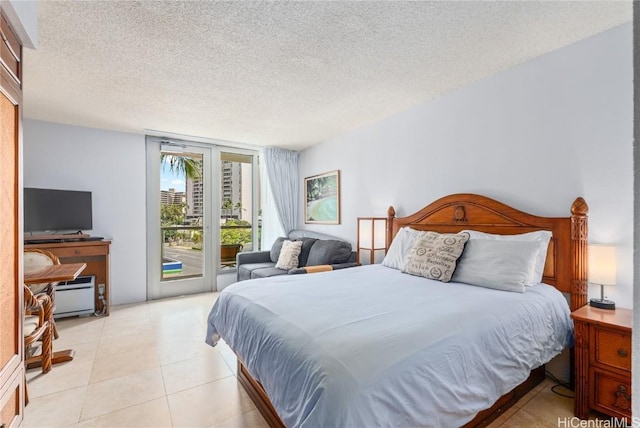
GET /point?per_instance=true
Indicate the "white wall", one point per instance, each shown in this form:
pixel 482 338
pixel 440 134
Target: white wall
pixel 534 136
pixel 112 166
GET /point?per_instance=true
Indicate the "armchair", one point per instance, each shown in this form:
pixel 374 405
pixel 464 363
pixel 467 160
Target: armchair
pixel 34 260
pixel 37 327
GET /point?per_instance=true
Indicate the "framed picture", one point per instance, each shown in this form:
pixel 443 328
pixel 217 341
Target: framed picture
pixel 322 198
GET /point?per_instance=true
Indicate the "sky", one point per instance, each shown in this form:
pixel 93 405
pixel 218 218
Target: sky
pixel 170 180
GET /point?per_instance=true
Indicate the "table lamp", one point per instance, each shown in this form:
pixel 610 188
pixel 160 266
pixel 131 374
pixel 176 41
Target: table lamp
pixel 602 270
pixel 372 239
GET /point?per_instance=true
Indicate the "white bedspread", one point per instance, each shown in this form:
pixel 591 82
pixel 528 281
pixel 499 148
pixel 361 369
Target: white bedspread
pixel 371 346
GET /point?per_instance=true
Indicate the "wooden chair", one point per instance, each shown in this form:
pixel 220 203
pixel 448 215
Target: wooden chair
pixel 228 253
pixel 37 327
pixel 36 259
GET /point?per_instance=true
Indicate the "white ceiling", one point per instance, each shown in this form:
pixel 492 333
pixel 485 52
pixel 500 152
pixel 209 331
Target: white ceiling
pixel 288 74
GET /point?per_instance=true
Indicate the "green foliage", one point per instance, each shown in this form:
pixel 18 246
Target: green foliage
pixel 196 239
pixel 229 208
pixel 188 166
pixel 226 208
pixel 171 215
pixel 235 236
pixel 321 187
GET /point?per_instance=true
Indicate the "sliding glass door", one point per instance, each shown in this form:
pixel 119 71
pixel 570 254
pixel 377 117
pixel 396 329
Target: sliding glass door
pixel 239 210
pixel 179 219
pixel 202 210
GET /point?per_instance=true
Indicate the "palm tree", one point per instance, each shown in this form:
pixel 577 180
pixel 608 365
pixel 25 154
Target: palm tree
pixel 238 207
pixel 186 165
pixel 227 206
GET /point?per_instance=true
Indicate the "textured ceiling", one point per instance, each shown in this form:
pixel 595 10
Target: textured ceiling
pixel 288 74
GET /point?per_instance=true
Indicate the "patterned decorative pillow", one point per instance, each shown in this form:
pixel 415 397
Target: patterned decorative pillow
pixel 434 255
pixel 288 258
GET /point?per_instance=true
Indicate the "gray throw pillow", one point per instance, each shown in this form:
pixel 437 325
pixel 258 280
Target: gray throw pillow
pixel 307 243
pixel 275 249
pixel 329 252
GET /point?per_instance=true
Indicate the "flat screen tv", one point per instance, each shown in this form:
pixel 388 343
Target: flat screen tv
pixel 56 210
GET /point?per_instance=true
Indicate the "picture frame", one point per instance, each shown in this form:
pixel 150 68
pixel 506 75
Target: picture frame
pixel 322 198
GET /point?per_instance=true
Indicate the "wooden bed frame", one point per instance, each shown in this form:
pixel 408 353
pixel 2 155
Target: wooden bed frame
pixel 565 269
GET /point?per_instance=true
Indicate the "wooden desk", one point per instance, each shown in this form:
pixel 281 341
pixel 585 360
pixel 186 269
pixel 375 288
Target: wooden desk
pixel 95 254
pixel 54 273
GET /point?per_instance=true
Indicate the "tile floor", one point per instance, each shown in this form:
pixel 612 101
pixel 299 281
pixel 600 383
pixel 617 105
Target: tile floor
pixel 146 365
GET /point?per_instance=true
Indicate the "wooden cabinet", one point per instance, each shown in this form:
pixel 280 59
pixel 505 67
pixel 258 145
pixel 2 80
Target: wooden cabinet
pixel 11 310
pixel 603 361
pixel 95 254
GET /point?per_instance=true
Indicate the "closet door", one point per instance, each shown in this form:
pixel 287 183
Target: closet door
pixel 11 311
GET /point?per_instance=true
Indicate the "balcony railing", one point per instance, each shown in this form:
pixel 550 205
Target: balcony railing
pixel 182 250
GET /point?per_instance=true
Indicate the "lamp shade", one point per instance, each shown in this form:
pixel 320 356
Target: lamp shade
pixel 364 232
pixel 372 233
pixel 602 264
pixel 371 238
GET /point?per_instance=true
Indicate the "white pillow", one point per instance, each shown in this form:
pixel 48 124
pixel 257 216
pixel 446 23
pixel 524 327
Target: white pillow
pixel 498 264
pixel 400 247
pixel 542 237
pixel 289 253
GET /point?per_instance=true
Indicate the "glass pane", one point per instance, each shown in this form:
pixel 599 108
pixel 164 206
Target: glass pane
pixel 236 208
pixel 181 213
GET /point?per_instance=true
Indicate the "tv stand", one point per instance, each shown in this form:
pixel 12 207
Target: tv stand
pixel 81 250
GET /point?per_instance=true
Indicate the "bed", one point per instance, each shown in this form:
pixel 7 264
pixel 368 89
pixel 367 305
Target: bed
pixel 349 348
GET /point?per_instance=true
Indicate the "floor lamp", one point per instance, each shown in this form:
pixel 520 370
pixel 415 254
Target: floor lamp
pixel 372 242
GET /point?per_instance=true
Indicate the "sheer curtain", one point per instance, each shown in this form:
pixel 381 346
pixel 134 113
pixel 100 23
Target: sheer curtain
pixel 281 168
pixel 271 228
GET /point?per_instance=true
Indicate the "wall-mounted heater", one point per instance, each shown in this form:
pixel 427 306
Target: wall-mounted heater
pixel 75 297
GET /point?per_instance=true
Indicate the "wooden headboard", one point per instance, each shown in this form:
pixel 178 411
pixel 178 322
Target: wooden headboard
pixel 566 265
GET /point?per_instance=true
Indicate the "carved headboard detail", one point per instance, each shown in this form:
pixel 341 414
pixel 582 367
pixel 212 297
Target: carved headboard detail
pixel 566 265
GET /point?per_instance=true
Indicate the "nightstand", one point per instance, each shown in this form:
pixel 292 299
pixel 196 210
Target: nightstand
pixel 603 361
